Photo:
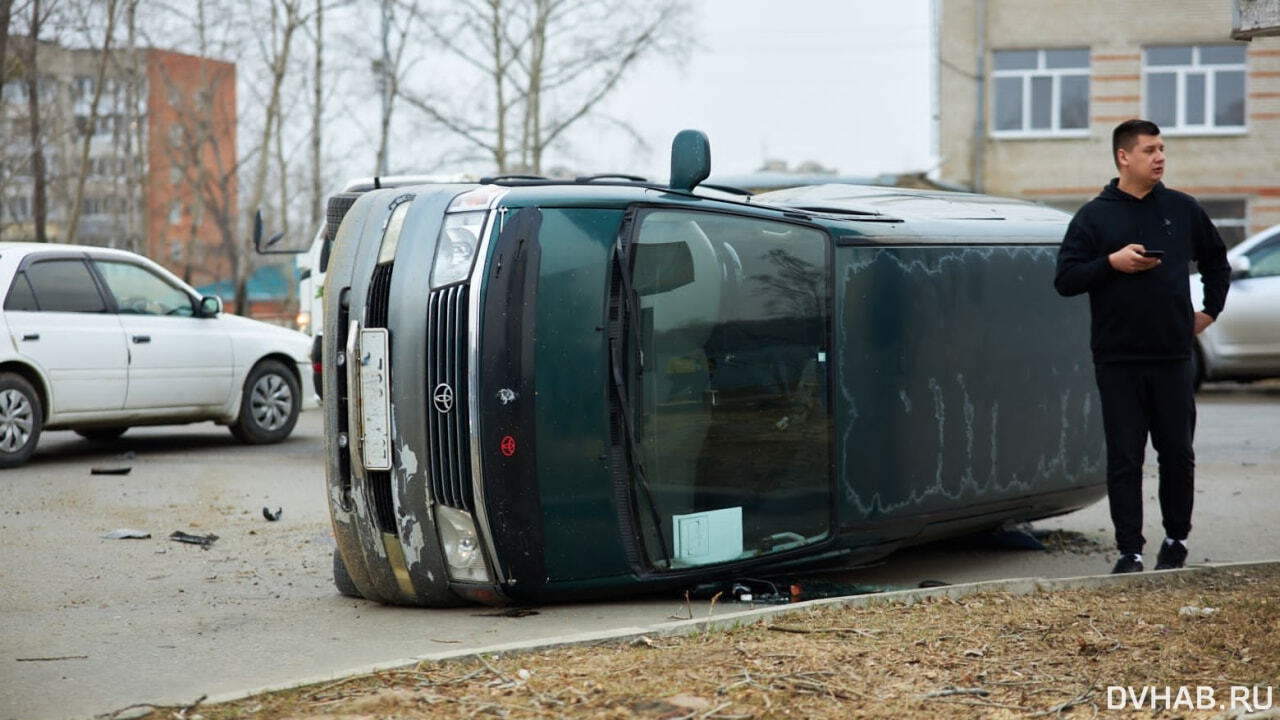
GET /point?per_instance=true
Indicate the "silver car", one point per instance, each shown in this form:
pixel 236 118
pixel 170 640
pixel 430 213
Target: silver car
pixel 1244 343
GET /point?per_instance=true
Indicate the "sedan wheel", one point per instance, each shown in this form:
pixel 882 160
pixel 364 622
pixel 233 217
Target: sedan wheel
pixel 269 406
pixel 21 419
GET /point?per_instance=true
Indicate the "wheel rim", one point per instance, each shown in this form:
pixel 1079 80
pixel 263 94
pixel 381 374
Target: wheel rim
pixel 271 402
pixel 16 420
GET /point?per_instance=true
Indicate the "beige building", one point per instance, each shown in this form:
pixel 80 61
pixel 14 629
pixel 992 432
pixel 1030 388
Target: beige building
pixel 1030 90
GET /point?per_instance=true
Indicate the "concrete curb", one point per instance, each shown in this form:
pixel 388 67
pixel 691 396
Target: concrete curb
pixel 1014 586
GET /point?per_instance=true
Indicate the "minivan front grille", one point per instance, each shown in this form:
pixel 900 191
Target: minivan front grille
pixel 380 482
pixel 448 415
pixel 375 313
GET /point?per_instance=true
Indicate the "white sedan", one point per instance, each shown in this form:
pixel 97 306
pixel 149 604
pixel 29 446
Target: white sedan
pixel 1244 343
pixel 99 340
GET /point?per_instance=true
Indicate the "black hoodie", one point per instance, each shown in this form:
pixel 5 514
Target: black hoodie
pixel 1145 316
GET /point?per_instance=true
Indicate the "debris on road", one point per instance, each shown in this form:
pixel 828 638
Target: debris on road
pixel 127 534
pixel 272 516
pixel 52 659
pixel 121 470
pixel 204 541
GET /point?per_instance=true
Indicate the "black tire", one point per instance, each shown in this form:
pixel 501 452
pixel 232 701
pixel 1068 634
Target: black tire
pixel 21 420
pixel 335 210
pixel 101 434
pixel 342 579
pixel 269 404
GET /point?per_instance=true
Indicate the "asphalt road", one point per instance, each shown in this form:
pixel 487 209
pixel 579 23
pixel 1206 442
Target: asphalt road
pixel 89 625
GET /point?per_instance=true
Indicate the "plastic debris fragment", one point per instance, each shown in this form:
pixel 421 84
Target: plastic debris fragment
pixel 127 534
pixel 204 541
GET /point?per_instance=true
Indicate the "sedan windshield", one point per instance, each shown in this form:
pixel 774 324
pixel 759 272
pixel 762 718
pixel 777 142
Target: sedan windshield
pixel 734 421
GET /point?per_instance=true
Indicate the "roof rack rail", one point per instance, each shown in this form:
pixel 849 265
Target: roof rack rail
pixel 508 177
pixel 610 176
pixel 727 188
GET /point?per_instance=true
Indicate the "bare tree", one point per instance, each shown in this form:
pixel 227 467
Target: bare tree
pixel 104 58
pixel 545 64
pixel 6 12
pixel 317 119
pixel 200 148
pixel 39 172
pixel 390 68
pixel 286 19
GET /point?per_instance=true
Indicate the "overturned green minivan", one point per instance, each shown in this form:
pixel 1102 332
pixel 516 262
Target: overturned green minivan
pixel 550 390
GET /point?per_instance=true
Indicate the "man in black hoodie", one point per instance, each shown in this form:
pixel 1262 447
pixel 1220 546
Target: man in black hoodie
pixel 1129 248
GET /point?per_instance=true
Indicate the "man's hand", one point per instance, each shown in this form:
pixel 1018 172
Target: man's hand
pixel 1202 320
pixel 1128 259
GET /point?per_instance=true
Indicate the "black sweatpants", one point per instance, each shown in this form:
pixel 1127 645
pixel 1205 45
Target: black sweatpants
pixel 1137 399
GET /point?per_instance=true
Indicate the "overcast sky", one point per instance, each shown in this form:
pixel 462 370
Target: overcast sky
pixel 844 82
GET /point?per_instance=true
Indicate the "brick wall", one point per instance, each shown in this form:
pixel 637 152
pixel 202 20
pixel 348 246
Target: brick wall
pixel 1065 171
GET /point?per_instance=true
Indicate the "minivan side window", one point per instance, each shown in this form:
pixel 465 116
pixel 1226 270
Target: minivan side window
pixel 139 291
pixel 63 285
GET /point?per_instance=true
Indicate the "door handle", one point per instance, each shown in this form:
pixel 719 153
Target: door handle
pixel 30 336
pixel 141 339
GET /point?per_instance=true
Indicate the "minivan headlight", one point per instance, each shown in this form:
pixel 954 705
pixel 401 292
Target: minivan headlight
pixel 391 231
pixel 457 247
pixel 461 545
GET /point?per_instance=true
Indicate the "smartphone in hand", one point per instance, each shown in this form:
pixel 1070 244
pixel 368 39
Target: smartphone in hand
pixel 1153 253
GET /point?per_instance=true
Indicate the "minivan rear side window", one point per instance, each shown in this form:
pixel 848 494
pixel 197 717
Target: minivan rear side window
pixel 64 285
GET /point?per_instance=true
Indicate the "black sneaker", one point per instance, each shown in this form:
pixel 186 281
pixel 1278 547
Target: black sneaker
pixel 1127 564
pixel 1173 555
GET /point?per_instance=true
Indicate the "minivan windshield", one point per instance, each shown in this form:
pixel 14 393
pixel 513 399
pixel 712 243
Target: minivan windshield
pixel 732 402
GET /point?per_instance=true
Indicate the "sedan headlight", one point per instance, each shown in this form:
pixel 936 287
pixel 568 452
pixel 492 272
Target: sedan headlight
pixel 457 247
pixel 461 545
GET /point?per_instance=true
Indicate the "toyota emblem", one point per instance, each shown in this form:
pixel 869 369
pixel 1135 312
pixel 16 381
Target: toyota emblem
pixel 442 398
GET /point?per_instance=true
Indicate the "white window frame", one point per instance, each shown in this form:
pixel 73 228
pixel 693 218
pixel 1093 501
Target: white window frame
pixel 1209 70
pixel 1055 111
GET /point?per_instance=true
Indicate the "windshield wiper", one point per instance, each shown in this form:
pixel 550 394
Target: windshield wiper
pixel 623 334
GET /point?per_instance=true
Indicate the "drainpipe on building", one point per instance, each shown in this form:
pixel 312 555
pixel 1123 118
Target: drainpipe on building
pixel 980 117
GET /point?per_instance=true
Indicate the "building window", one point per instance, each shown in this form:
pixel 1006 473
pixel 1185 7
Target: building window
pixel 1194 88
pixel 19 207
pixel 1230 218
pixel 1040 92
pixel 175 212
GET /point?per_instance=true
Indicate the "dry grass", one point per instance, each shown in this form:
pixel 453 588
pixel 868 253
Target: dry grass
pixel 990 655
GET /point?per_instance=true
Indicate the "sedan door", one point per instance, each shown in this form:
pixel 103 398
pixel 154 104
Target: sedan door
pixel 58 318
pixel 176 358
pixel 1248 331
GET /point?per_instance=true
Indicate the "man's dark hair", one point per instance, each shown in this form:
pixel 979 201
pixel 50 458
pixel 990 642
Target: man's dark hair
pixel 1126 134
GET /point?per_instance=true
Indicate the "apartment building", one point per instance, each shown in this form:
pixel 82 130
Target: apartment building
pixel 159 176
pixel 1029 92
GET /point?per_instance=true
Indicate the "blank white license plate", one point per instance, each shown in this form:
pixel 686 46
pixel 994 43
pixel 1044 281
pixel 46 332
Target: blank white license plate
pixel 375 400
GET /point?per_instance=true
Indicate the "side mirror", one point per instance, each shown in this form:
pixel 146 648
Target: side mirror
pixel 210 306
pixel 690 160
pixel 264 248
pixel 1240 267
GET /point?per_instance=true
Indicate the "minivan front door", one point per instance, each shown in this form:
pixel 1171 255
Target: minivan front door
pixel 734 418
